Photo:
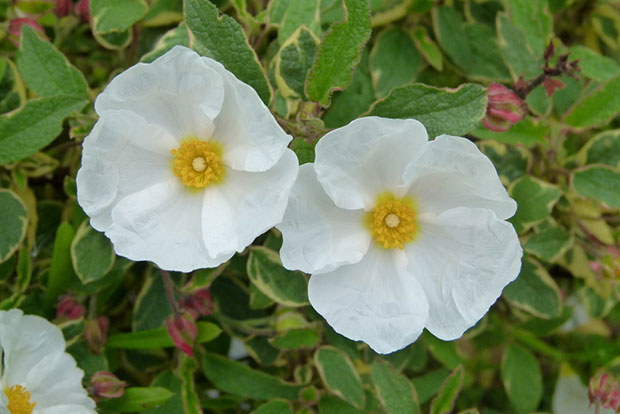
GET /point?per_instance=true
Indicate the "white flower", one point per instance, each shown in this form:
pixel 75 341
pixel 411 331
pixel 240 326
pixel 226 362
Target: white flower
pixel 186 165
pixel 400 233
pixel 571 396
pixel 39 377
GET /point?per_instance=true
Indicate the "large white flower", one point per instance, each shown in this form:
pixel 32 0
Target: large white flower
pixel 38 377
pixel 186 165
pixel 400 233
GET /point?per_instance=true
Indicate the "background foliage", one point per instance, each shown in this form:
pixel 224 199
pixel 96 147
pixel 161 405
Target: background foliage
pixel 263 349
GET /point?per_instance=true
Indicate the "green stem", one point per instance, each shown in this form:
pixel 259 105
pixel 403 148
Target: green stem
pixel 536 344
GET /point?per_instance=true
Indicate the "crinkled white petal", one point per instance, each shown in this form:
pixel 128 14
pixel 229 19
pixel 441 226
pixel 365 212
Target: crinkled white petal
pixel 463 258
pixel 317 235
pixel 123 154
pixel 65 409
pixel 161 224
pixel 376 300
pixel 451 172
pixel 178 92
pixel 245 205
pixel 252 139
pixel 35 358
pixel 367 157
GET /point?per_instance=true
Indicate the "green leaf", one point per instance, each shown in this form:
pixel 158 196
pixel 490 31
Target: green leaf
pixel 239 379
pixel 522 379
pixel 428 384
pixel 300 13
pixel 171 382
pixel 334 405
pixel 223 39
pixel 116 15
pixel 293 62
pixel 159 338
pixel 13 222
pixel 188 367
pixel 535 291
pixel 472 46
pixel 46 70
pixel 528 132
pixel 517 55
pixel 394 61
pixel 152 307
pixel 136 399
pixel 27 130
pixel 61 270
pixel 429 50
pixel 443 403
pixel 164 13
pixel 303 150
pixel 533 19
pixel 593 65
pixel 340 52
pixel 511 161
pixel 442 111
pixel 274 407
pixel 549 244
pixel 276 11
pixel 394 390
pixel 443 351
pixel 601 183
pixel 281 285
pixel 603 148
pixel 535 200
pixel 339 375
pixel 295 339
pixel 92 253
pixel 12 91
pixel 24 270
pixel 597 108
pixel 172 38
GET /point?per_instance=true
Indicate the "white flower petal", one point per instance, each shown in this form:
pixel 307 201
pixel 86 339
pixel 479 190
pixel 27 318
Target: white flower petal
pixel 4 401
pixel 376 300
pixel 317 236
pixel 123 154
pixel 66 409
pixel 571 396
pixel 463 258
pixel 451 172
pixel 252 139
pixel 161 224
pixel 367 157
pixel 245 205
pixel 178 92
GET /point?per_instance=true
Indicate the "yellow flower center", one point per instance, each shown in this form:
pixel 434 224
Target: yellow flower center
pixel 392 222
pixel 198 163
pixel 19 400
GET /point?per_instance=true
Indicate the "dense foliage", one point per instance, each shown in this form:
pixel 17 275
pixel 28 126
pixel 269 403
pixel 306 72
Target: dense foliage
pixel 318 64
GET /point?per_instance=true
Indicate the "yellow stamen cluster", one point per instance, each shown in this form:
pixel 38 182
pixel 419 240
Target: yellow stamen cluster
pixel 19 400
pixel 392 222
pixel 198 163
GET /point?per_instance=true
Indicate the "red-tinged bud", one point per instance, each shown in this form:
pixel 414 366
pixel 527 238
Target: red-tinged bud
pixel 97 333
pixel 595 266
pixel 183 331
pixel 551 85
pixel 603 390
pixel 198 304
pixel 15 28
pixel 69 308
pixel 106 385
pixel 504 108
pixel 63 7
pixel 82 9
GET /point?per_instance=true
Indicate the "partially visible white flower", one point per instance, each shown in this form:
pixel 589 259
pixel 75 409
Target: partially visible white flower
pixel 571 396
pixel 400 233
pixel 186 165
pixel 38 377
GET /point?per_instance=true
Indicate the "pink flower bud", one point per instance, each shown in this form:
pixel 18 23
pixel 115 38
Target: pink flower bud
pixel 604 390
pixel 69 308
pixel 15 28
pixel 504 108
pixel 97 333
pixel 183 331
pixel 107 385
pixel 63 7
pixel 82 9
pixel 198 304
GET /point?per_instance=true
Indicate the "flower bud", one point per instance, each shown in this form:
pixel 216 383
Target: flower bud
pixel 63 7
pixel 504 108
pixel 183 331
pixel 82 9
pixel 107 385
pixel 604 390
pixel 97 333
pixel 198 304
pixel 15 28
pixel 69 308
